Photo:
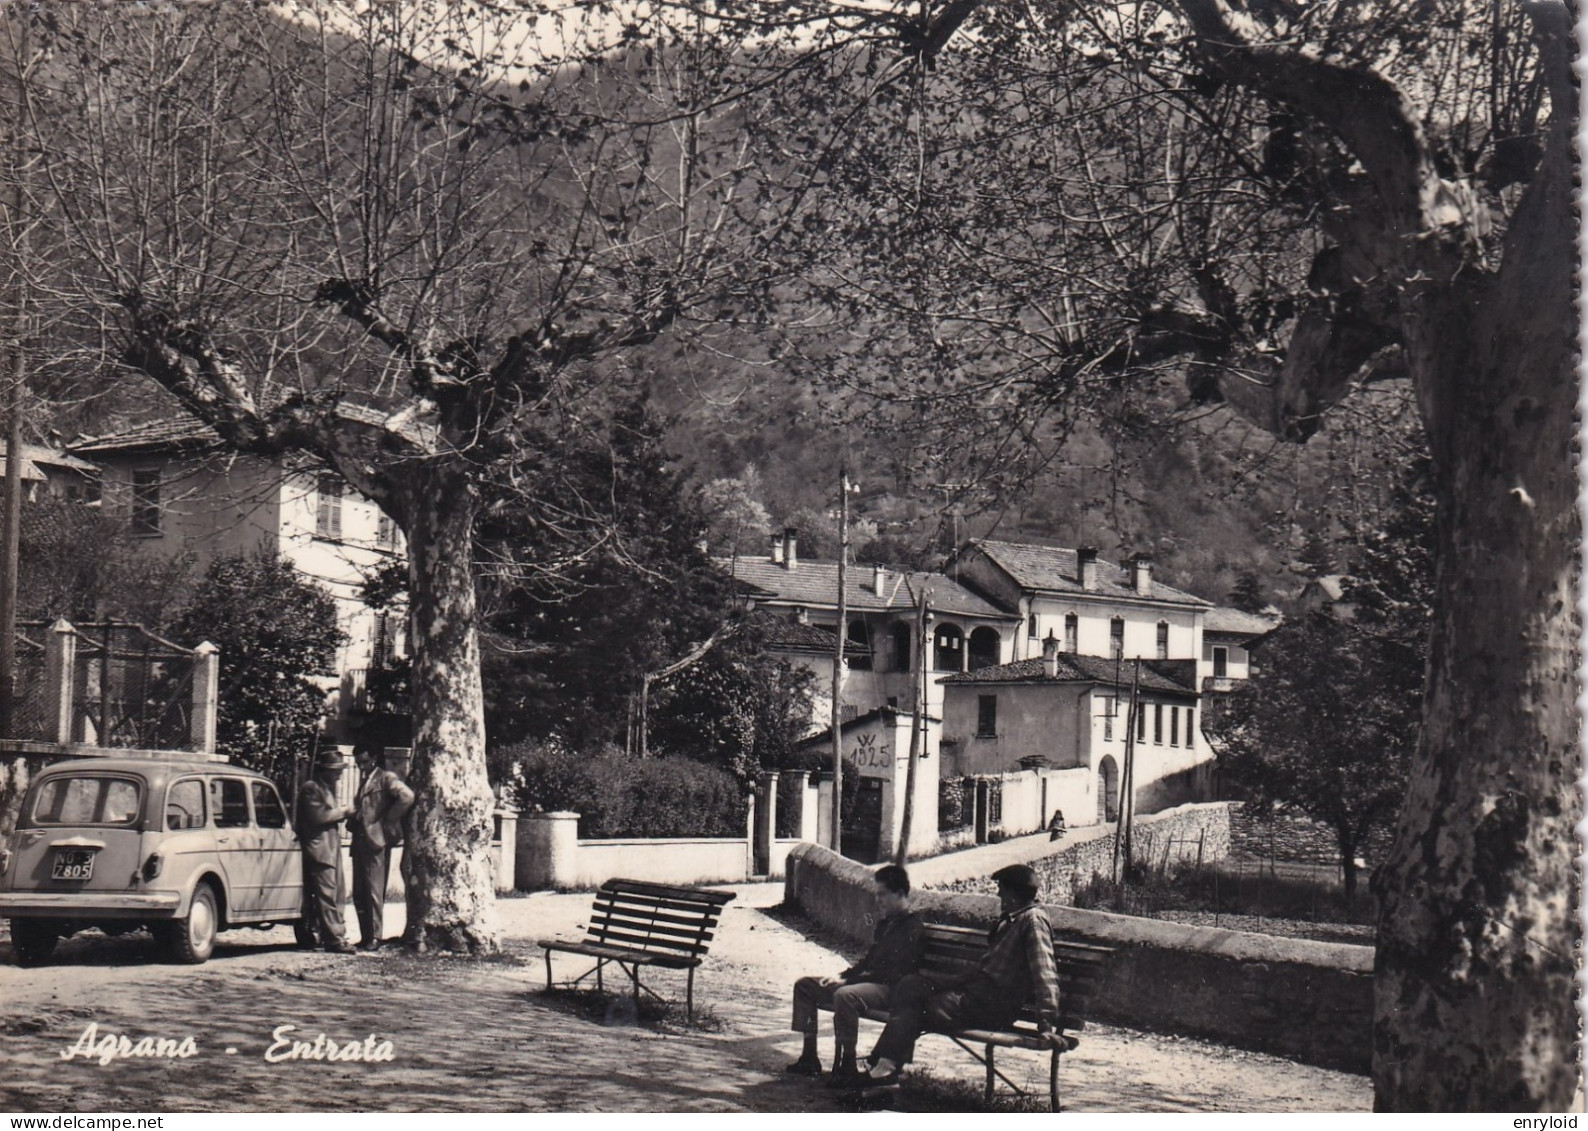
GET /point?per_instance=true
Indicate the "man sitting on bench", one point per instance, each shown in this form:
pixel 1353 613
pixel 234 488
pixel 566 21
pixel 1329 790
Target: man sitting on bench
pixel 895 952
pixel 1017 966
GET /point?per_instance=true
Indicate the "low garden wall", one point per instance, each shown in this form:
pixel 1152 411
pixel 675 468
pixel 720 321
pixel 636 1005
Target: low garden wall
pixel 1310 1001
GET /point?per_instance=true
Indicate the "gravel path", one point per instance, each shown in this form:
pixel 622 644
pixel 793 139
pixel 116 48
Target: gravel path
pixel 480 1036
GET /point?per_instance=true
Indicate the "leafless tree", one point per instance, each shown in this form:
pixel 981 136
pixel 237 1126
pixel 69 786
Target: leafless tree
pixel 396 238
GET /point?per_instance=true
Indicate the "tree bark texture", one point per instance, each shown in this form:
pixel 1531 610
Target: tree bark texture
pixel 1478 936
pixel 450 901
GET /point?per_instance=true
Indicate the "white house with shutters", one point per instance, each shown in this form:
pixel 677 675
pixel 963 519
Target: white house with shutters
pixel 181 491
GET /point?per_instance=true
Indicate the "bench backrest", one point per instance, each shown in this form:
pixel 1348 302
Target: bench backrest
pixel 656 917
pixel 1079 965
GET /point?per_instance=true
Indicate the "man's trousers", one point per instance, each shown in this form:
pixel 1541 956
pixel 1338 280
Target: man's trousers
pixel 919 1006
pixel 371 868
pixel 848 1003
pixel 322 901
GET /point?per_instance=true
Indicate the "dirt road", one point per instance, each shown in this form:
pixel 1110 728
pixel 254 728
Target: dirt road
pixel 479 1036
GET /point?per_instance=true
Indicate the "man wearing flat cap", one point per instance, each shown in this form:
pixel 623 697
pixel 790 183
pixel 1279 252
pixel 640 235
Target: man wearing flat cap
pixel 1018 965
pixel 319 835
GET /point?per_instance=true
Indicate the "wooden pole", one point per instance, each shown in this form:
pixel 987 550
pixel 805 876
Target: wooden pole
pixel 917 724
pixel 11 502
pixel 1122 828
pixel 838 659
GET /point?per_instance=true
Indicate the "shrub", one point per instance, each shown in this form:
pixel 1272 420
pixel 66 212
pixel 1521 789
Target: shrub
pixel 616 795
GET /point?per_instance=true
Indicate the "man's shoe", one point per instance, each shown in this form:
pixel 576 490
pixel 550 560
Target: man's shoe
pixel 843 1075
pixel 339 948
pixel 370 946
pixel 805 1066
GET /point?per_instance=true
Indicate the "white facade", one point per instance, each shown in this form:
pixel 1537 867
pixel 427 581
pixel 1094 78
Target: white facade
pixel 185 497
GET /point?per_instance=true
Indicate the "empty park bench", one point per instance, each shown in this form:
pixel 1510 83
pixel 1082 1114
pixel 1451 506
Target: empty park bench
pixel 949 950
pixel 634 924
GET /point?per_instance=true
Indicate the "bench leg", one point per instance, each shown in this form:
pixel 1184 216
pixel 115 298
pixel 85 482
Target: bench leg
pixel 548 969
pixel 1053 1081
pixel 987 1093
pixel 689 997
pixel 600 983
pixel 634 973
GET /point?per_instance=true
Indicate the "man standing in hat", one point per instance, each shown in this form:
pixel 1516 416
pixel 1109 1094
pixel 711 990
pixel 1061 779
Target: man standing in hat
pixel 318 819
pixel 1018 965
pixel 383 798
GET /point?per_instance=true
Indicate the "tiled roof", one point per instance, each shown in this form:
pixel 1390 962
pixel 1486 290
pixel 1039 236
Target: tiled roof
pixel 35 454
pixel 889 715
pixel 815 585
pixel 1075 669
pixel 185 431
pixel 1234 622
pixel 793 636
pixel 1053 569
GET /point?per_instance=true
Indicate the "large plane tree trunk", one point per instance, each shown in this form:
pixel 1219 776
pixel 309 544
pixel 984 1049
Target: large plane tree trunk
pixel 1474 979
pixel 450 897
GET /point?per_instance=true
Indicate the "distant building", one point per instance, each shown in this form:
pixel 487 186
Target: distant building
pixel 881 652
pixel 48 473
pixel 180 489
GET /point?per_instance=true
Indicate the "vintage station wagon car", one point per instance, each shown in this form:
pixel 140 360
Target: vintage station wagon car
pixel 186 848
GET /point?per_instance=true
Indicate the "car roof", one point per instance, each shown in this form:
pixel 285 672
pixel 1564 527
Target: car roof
pixel 156 770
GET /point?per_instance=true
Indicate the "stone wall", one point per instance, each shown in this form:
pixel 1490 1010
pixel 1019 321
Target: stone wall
pixel 1189 834
pixel 1307 1000
pixel 1282 836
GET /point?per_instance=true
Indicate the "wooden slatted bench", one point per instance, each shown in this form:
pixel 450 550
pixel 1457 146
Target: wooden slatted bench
pixel 949 950
pixel 634 924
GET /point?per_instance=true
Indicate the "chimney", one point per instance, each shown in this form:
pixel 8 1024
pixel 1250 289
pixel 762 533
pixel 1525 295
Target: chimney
pixel 879 581
pixel 1141 575
pixel 1086 566
pixel 791 541
pixel 777 549
pixel 1050 657
pixel 802 615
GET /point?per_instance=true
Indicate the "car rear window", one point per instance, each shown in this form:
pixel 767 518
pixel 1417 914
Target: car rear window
pixel 88 799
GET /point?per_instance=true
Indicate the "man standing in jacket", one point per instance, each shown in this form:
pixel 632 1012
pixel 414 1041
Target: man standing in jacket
pixel 383 799
pixel 1018 965
pixel 895 952
pixel 320 838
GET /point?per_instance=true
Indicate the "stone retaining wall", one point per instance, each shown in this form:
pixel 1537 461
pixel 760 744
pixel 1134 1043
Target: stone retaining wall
pixel 1307 1000
pixel 1190 833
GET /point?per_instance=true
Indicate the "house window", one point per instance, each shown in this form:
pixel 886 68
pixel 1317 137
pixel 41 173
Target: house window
pixel 1157 724
pixel 1031 626
pixel 1141 722
pixel 1116 637
pixel 995 803
pixel 1221 662
pixel 986 716
pixel 1108 718
pixel 1072 633
pixel 385 532
pixel 1163 640
pixel 861 639
pixel 146 501
pixel 1190 740
pixel 328 515
pixel 1174 726
pixel 901 646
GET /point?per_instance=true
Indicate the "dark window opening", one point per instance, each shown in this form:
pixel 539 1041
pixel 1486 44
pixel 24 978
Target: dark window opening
pixel 1116 637
pixel 986 716
pixel 861 639
pixel 1163 640
pixel 901 646
pixel 1072 633
pixel 146 502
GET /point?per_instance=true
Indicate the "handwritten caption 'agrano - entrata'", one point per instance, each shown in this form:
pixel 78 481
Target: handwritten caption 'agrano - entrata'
pixel 104 1047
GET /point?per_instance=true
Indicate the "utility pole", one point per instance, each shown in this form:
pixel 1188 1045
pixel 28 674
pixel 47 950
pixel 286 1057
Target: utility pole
pixel 1127 775
pixel 11 501
pixel 838 658
pixel 923 618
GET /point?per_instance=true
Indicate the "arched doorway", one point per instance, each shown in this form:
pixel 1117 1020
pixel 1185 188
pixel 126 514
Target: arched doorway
pixel 948 647
pixel 983 648
pixel 1107 789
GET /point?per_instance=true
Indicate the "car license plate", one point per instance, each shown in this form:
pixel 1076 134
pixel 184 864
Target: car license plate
pixel 73 864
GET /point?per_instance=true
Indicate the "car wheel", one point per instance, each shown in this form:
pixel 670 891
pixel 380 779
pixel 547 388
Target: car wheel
pixel 304 934
pixel 33 941
pixel 192 940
